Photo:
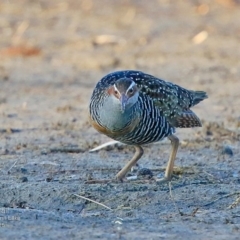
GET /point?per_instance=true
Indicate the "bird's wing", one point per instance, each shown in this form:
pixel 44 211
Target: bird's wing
pixel 173 100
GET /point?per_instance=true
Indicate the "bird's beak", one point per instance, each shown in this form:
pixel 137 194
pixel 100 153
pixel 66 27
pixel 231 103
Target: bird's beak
pixel 123 101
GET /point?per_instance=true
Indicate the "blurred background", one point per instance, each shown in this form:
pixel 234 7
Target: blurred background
pixel 52 54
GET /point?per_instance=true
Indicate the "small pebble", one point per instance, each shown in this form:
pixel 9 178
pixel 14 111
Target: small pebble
pixel 145 172
pixel 23 170
pixel 235 174
pixel 227 150
pixel 49 179
pixel 132 178
pixel 24 179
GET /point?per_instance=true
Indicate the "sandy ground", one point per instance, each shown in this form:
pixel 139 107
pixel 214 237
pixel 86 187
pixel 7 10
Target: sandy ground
pixel 52 53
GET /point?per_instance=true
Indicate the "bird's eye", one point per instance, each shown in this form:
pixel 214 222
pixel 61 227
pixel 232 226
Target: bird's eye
pixel 130 90
pixel 116 92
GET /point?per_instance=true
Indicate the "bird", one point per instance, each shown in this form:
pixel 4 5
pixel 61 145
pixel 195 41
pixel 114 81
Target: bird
pixel 136 108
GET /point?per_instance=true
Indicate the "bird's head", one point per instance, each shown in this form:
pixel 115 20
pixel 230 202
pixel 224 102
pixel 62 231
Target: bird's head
pixel 124 92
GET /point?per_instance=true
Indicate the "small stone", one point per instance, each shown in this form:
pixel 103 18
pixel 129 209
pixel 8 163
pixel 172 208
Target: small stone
pixel 49 179
pixel 209 133
pixel 145 172
pixel 23 170
pixel 24 179
pixel 227 150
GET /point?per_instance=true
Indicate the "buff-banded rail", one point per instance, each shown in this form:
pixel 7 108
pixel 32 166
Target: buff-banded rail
pixel 136 108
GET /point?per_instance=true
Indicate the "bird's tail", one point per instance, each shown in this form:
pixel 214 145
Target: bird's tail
pixel 198 96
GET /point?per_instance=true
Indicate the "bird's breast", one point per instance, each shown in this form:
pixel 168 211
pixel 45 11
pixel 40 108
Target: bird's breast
pixel 113 122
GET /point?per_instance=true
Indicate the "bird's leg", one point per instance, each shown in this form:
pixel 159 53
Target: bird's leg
pixel 169 170
pixel 138 154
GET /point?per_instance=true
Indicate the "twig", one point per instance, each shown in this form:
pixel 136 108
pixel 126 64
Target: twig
pixel 101 204
pixel 104 145
pixel 225 196
pixel 96 181
pixel 193 213
pixel 67 150
pixel 12 166
pixel 172 197
pixel 234 204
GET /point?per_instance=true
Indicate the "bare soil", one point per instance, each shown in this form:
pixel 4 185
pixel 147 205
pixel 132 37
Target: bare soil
pixel 52 53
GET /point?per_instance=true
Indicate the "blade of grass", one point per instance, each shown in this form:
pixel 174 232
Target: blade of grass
pixel 101 204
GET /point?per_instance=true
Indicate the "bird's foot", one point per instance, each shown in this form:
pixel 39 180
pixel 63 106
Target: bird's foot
pixel 165 179
pixel 142 174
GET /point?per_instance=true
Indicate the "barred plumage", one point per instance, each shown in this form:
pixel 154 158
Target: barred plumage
pixel 136 108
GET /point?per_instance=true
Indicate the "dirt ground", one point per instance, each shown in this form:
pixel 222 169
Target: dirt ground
pixel 52 53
